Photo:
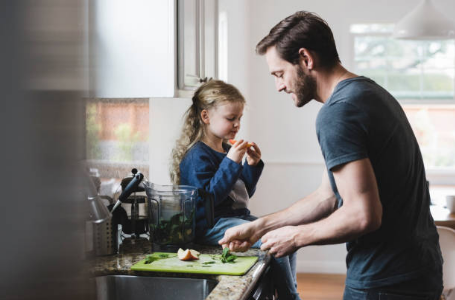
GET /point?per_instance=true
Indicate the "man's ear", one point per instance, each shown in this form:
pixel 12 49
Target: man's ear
pixel 306 58
pixel 205 116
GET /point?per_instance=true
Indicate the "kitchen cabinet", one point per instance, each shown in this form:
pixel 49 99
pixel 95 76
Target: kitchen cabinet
pixel 159 48
pixel 197 42
pixel 132 48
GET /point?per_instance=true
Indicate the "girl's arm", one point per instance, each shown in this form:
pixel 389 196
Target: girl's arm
pixel 203 171
pixel 251 175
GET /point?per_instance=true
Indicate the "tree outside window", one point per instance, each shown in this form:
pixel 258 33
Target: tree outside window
pixel 117 136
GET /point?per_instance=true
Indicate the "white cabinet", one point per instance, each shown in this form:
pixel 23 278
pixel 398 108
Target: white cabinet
pixel 197 42
pixel 133 49
pixel 152 48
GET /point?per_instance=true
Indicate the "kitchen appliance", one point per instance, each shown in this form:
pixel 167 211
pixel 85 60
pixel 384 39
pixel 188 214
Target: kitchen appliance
pixel 130 209
pixel 172 211
pixel 165 213
pixel 172 215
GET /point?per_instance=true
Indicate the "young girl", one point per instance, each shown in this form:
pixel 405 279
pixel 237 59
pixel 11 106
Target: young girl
pixel 202 158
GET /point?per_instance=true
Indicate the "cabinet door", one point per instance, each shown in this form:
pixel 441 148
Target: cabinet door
pixel 197 42
pixel 127 40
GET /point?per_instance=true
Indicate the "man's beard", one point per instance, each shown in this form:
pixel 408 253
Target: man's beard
pixel 305 88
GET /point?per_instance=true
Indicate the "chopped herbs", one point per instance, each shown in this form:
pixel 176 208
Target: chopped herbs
pixel 150 258
pixel 176 230
pixel 227 257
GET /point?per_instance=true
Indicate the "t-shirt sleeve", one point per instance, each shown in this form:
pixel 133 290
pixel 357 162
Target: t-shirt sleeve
pixel 342 131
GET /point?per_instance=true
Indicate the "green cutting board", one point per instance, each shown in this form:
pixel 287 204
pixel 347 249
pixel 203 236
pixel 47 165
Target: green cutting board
pixel 172 264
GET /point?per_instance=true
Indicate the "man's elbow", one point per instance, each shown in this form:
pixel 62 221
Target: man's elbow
pixel 371 222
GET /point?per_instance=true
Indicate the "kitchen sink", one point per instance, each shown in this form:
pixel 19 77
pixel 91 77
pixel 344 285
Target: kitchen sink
pixel 119 287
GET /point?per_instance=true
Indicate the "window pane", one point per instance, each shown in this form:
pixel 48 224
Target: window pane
pixel 414 70
pixel 117 136
pixel 437 85
pixel 375 28
pixel 405 82
pixel 434 127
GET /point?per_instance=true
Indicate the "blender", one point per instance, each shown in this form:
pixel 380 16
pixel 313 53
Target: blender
pixel 130 210
pixel 172 215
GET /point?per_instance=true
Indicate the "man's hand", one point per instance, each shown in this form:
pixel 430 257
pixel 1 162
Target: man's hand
pixel 240 238
pixel 280 242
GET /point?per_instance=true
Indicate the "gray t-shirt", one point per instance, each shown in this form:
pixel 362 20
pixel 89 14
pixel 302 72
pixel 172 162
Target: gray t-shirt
pixel 240 195
pixel 362 120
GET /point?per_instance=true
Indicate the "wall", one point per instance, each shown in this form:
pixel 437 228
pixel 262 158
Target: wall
pixel 165 123
pixel 285 134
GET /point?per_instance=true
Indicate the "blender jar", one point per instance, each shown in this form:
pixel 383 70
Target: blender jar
pixel 172 215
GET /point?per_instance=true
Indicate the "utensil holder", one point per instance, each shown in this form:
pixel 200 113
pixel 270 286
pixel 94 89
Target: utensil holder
pixel 105 239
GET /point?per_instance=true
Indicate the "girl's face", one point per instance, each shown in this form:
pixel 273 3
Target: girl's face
pixel 223 121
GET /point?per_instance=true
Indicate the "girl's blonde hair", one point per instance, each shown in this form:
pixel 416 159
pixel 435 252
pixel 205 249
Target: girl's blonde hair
pixel 207 96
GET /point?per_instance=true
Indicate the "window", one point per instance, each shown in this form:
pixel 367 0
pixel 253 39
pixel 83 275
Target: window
pixel 410 70
pixel 421 75
pixel 117 132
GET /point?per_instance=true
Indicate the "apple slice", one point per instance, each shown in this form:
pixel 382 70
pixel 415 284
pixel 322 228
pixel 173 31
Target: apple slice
pixel 195 253
pixel 188 254
pixel 234 141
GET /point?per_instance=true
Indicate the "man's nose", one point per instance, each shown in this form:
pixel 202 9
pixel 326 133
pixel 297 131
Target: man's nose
pixel 280 86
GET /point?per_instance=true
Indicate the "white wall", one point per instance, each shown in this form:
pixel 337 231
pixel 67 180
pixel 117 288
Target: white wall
pixel 285 134
pixel 166 119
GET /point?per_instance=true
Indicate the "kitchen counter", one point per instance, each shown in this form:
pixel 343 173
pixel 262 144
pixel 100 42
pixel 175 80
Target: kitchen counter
pixel 228 287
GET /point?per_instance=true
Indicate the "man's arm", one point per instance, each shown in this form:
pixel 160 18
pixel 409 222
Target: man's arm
pixel 361 213
pixel 315 206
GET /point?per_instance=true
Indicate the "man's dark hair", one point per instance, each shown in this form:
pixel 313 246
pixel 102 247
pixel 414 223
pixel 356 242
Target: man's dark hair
pixel 301 30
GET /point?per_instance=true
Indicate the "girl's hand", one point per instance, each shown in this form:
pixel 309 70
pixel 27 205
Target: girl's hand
pixel 253 155
pixel 238 150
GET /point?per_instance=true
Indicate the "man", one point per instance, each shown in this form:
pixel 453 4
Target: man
pixel 373 195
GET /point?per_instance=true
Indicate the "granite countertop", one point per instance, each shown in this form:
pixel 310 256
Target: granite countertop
pixel 228 287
